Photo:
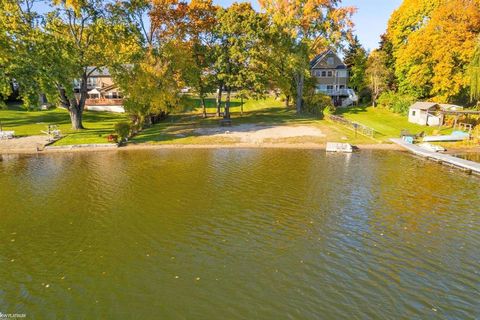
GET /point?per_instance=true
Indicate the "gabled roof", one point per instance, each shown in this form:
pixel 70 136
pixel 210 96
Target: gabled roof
pixel 423 105
pixel 319 57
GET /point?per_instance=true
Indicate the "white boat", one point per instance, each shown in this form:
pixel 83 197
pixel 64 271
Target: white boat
pixel 339 147
pixel 431 147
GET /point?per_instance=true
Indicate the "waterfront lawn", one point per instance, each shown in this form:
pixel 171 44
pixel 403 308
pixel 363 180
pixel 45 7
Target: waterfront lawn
pixel 183 128
pixel 386 123
pixel 27 123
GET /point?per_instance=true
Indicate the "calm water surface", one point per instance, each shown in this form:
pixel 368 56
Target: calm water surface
pixel 238 234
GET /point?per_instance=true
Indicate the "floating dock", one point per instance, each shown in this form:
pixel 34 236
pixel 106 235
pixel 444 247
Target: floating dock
pixel 465 165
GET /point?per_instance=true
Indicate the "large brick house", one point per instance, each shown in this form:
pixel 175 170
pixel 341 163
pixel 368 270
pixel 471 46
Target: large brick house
pixel 103 93
pixel 332 78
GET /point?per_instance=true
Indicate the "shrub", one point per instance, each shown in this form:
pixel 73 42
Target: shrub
pixel 317 103
pixel 396 102
pixel 122 129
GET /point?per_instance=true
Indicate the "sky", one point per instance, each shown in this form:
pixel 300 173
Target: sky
pixel 370 20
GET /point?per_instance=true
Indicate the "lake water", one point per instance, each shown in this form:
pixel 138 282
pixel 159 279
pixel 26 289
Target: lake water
pixel 238 234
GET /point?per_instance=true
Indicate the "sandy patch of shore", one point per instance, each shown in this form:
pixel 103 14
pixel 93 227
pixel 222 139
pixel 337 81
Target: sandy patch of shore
pixel 23 144
pixel 254 134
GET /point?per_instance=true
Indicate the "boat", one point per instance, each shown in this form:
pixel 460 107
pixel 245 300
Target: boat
pixel 431 147
pixel 455 136
pixel 339 147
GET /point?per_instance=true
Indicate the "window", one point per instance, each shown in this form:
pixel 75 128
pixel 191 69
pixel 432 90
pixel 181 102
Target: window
pixel 324 74
pixel 322 88
pixel 413 113
pixel 330 73
pixel 342 73
pixel 91 82
pixel 330 61
pixel 342 86
pixel 329 87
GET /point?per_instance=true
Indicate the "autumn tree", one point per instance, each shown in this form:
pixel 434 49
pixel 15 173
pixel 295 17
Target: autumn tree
pixel 312 25
pixel 240 54
pixel 377 74
pixel 432 44
pixel 151 82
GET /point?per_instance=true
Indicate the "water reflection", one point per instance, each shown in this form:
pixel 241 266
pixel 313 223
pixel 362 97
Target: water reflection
pixel 233 234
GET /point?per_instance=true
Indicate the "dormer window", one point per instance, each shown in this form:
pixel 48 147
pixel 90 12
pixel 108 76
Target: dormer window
pixel 330 61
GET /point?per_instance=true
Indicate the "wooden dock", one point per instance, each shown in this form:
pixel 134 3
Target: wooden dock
pixel 465 165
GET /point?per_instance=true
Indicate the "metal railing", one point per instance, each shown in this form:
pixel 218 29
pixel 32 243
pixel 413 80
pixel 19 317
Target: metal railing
pixel 358 127
pixel 336 92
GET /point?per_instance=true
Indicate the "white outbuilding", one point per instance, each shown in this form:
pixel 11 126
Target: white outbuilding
pixel 425 113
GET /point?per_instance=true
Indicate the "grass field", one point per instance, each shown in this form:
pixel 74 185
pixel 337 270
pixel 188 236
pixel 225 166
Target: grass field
pixel 27 123
pixel 180 127
pixel 385 123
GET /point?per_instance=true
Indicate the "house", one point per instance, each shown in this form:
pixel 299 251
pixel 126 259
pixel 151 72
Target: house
pixel 429 113
pixel 103 93
pixel 332 78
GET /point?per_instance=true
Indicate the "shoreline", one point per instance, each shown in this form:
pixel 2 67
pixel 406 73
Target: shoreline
pixel 146 146
pixel 240 145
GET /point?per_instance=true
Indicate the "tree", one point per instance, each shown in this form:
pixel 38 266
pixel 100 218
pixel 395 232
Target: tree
pixel 312 25
pixel 200 36
pixel 22 44
pixel 153 79
pixel 356 60
pixel 88 39
pixel 474 73
pixel 239 56
pixel 377 74
pixel 432 44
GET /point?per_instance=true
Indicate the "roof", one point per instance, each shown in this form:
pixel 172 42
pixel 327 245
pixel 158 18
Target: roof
pixel 423 105
pixel 322 55
pixel 98 72
pixel 319 57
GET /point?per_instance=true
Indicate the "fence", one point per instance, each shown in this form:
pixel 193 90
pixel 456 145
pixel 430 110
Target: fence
pixel 358 127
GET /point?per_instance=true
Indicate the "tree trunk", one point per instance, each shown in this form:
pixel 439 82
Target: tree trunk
pixel 219 98
pixel 287 101
pixel 76 118
pixel 299 79
pixel 241 106
pixel 75 107
pixel 204 107
pixel 226 113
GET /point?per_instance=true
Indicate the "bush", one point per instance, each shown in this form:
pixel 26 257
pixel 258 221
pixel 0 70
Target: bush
pixel 396 102
pixel 317 103
pixel 122 129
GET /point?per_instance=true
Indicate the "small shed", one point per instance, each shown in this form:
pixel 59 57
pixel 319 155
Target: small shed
pixel 425 114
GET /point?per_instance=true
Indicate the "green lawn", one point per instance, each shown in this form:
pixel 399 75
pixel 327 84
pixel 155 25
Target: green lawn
pixel 26 123
pixel 385 123
pixel 180 127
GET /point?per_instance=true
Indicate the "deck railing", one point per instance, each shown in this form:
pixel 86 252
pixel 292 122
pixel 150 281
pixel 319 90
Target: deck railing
pixel 104 102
